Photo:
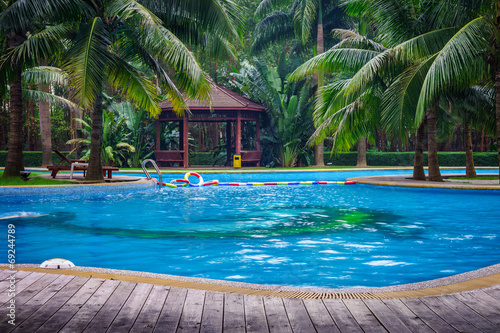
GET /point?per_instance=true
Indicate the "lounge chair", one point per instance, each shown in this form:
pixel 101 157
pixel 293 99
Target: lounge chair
pixel 76 165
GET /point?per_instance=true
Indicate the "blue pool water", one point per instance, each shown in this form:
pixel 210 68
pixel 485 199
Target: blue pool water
pixel 323 235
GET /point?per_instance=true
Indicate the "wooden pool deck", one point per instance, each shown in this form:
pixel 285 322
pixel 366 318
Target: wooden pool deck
pixel 47 302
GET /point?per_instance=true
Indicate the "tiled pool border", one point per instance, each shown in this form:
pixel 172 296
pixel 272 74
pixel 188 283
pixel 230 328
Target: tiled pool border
pixel 478 279
pixel 82 190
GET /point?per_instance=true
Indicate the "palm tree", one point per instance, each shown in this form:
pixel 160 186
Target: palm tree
pixel 27 46
pixel 298 19
pixel 121 38
pixel 413 64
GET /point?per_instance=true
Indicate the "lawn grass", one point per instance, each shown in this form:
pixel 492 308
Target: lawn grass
pixel 17 181
pixel 477 178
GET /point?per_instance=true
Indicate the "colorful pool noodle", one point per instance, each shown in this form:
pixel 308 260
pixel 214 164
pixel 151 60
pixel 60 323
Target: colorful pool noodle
pixel 216 182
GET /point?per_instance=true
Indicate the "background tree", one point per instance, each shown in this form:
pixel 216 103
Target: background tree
pixel 281 20
pixel 289 109
pixel 27 45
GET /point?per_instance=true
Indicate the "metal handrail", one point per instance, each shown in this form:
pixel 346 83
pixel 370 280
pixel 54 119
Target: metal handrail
pixel 160 183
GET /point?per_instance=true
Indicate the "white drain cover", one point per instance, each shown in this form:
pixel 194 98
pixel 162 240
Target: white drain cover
pixel 57 263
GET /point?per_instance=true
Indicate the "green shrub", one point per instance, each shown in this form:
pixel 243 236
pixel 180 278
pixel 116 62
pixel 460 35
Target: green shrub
pixel 31 158
pixel 34 158
pixel 406 159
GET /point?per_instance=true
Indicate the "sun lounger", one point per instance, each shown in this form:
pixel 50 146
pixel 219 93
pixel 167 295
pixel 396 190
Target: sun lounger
pixel 76 165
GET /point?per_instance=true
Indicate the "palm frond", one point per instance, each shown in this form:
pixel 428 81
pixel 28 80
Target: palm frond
pixel 45 75
pixel 222 17
pixel 459 63
pixel 135 85
pixel 400 100
pixel 304 18
pixel 40 46
pixel 36 95
pixel 335 60
pixel 351 39
pixel 274 27
pixel 21 15
pixel 267 6
pixel 89 59
pixel 420 47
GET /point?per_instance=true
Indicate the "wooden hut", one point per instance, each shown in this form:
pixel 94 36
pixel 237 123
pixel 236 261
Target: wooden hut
pixel 228 107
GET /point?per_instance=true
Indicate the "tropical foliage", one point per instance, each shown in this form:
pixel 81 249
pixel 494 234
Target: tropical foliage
pixel 289 106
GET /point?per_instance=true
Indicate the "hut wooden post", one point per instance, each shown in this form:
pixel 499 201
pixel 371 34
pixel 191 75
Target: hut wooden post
pixel 237 146
pixel 185 140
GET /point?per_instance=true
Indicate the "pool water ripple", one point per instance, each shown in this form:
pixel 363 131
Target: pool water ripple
pixel 325 236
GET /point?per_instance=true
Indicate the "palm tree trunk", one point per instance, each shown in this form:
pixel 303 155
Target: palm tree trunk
pixel 497 107
pixel 418 162
pixel 15 162
pixel 361 162
pixel 434 172
pixel 320 46
pixel 45 132
pixel 94 172
pixel 496 49
pixel 470 171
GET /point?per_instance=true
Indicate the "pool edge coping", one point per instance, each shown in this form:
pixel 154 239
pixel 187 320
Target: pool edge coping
pixel 378 180
pixel 464 282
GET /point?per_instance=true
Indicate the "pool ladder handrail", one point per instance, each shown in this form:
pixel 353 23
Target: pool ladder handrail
pixel 160 183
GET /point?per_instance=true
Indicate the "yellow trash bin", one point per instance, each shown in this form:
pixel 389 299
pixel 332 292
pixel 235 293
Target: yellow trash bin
pixel 237 161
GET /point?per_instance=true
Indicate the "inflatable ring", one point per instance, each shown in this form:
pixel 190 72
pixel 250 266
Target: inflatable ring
pixel 200 183
pixel 212 183
pixel 173 182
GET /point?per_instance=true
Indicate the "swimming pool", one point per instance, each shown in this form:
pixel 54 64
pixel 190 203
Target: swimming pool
pixel 324 236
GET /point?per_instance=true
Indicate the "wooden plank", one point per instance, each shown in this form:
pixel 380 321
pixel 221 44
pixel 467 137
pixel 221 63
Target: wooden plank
pixel 449 315
pixel 68 310
pixel 277 320
pixel 427 315
pixel 171 312
pixel 466 312
pixel 487 299
pixel 388 319
pixel 28 281
pixel 29 291
pixel 407 316
pixel 88 311
pixel 298 316
pixel 130 311
pixel 191 313
pixel 320 316
pixel 213 309
pixel 234 313
pixel 6 275
pixel 493 292
pixel 34 303
pixel 146 320
pixel 5 279
pixel 255 317
pixel 342 316
pixel 365 318
pixel 44 312
pixel 484 309
pixel 103 319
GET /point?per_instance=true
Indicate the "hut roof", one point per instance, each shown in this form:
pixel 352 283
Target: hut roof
pixel 222 99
